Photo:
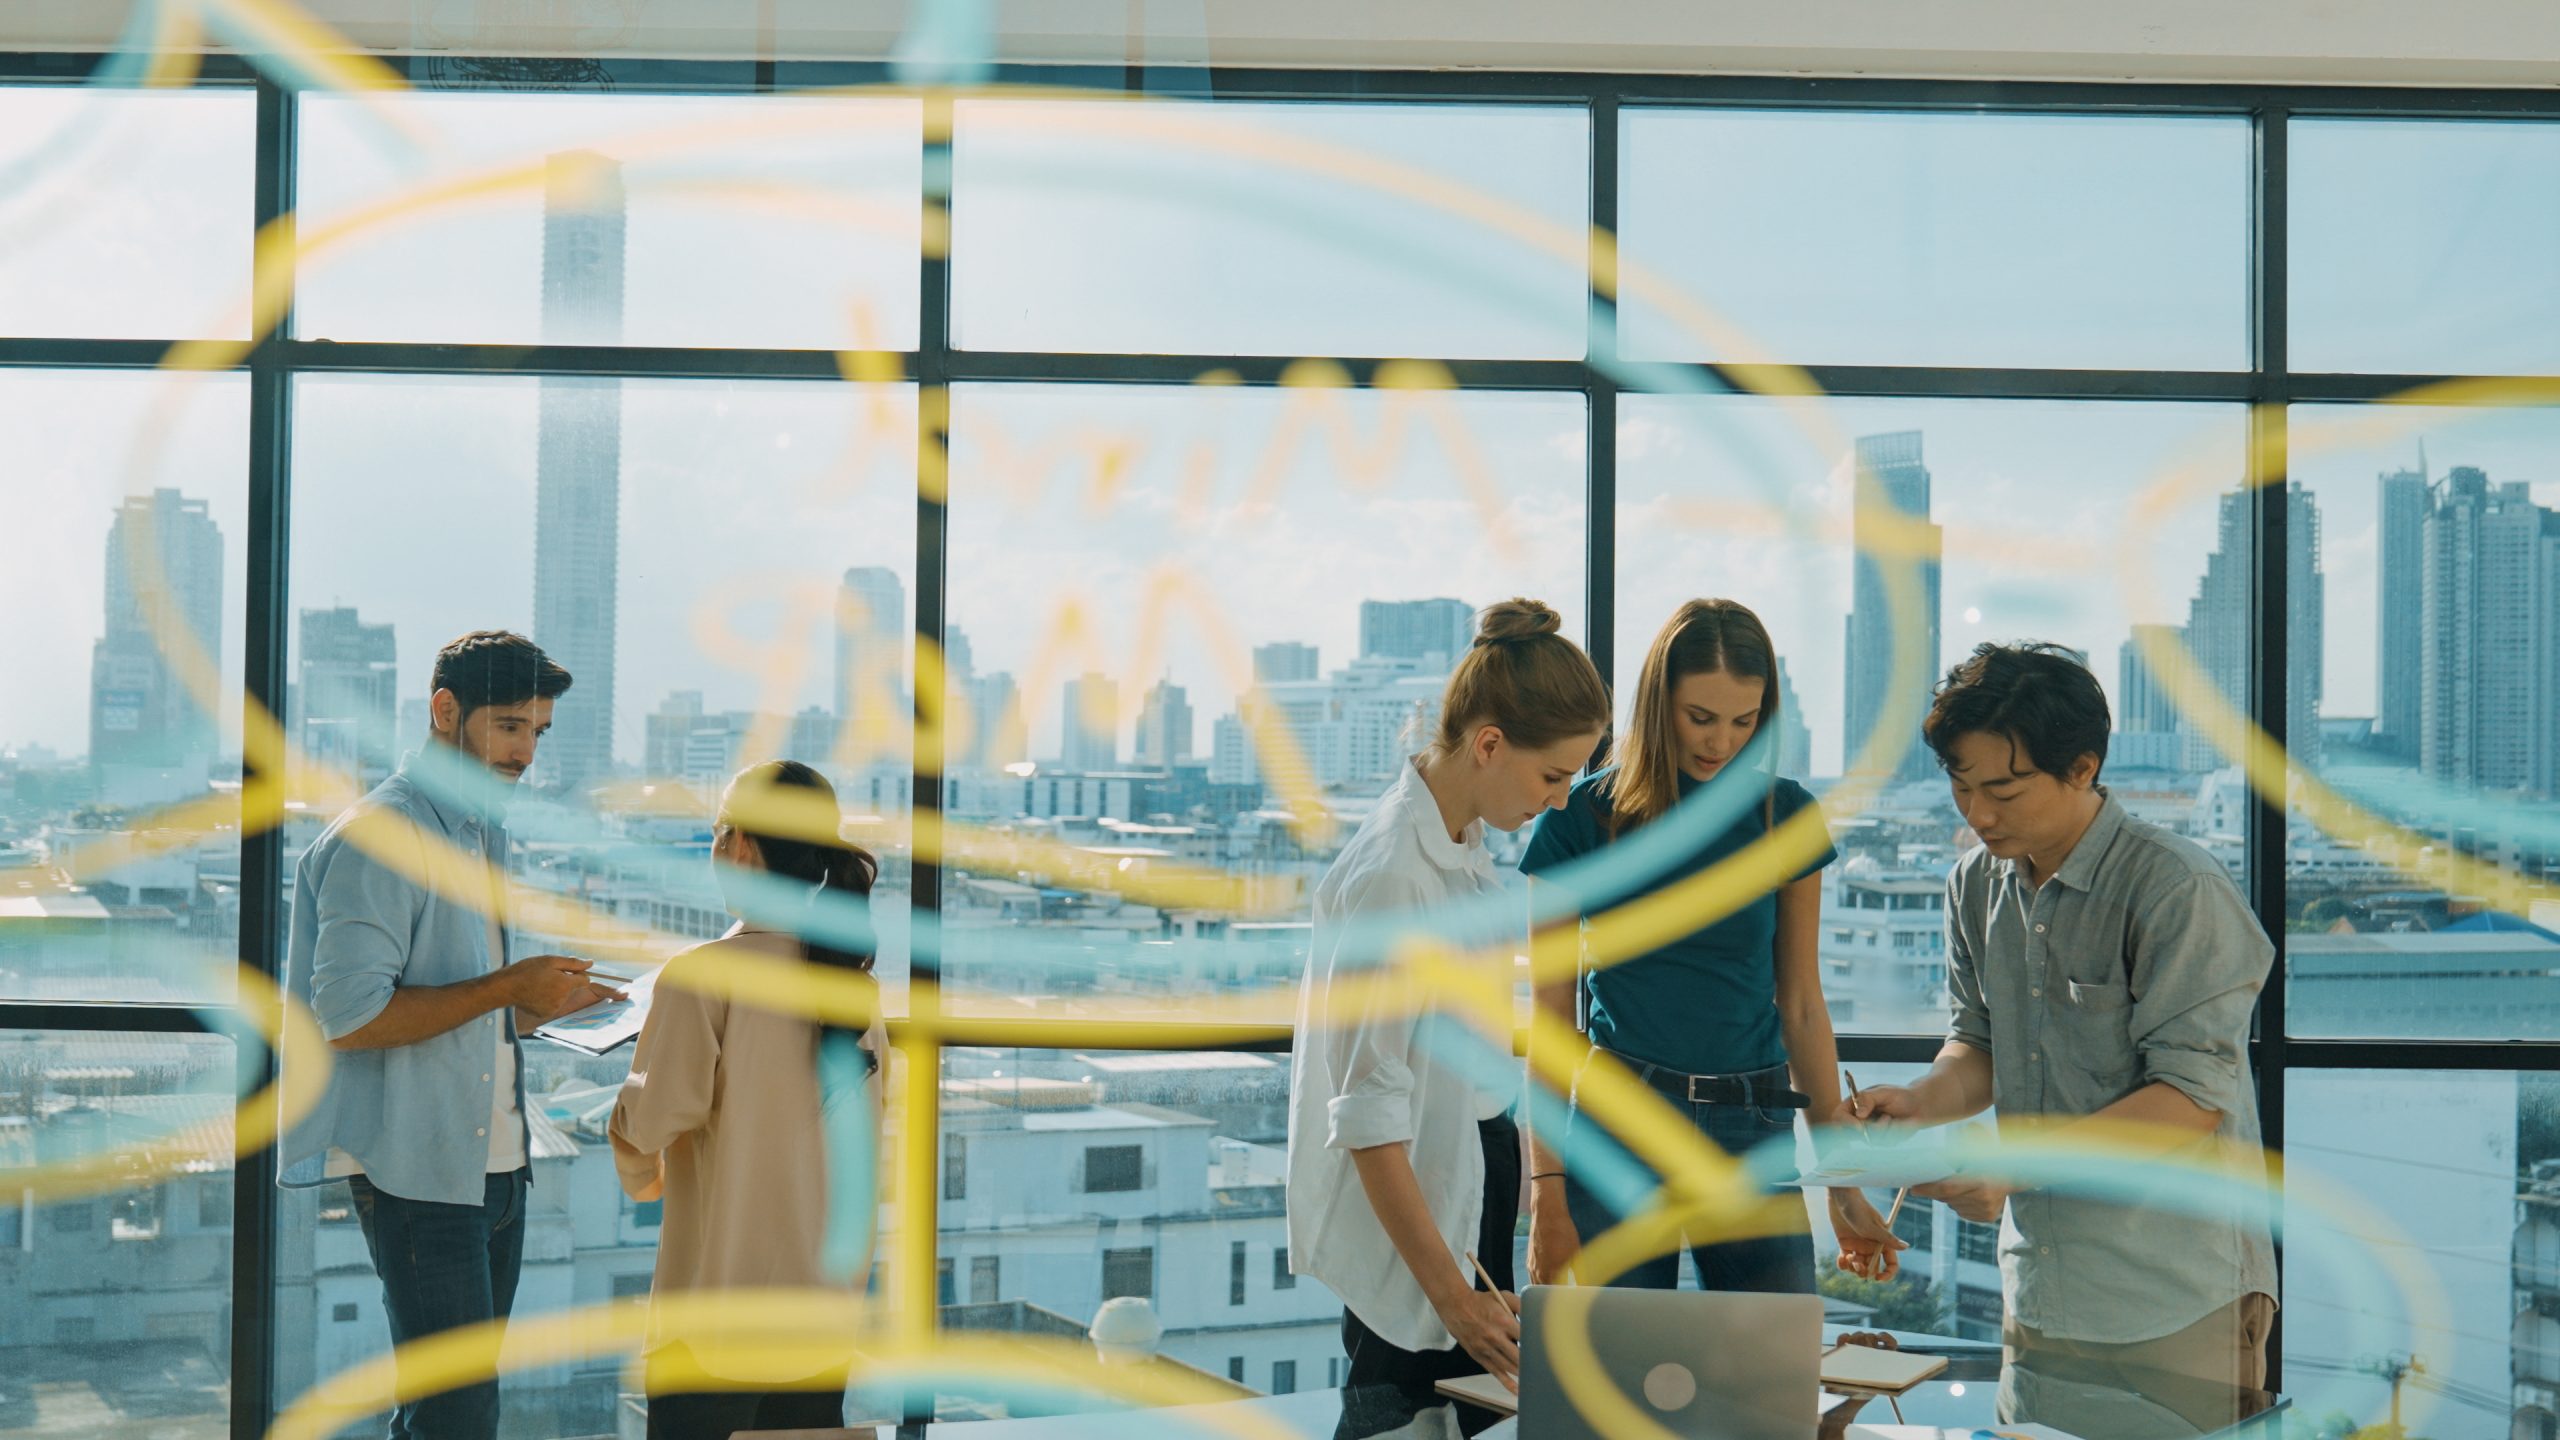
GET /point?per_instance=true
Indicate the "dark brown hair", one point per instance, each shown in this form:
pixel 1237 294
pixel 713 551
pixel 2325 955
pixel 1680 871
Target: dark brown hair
pixel 1703 637
pixel 791 806
pixel 496 667
pixel 1522 677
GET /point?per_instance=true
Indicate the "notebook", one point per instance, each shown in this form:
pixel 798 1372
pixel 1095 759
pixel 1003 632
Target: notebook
pixel 1864 1367
pixel 1482 1391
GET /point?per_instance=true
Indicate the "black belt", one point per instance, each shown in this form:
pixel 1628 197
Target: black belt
pixel 1765 1088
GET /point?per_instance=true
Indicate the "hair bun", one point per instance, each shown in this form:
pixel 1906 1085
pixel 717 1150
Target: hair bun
pixel 1517 619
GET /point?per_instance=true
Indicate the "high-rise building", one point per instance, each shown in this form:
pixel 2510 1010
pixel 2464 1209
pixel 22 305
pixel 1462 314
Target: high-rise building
pixel 1090 724
pixel 1164 726
pixel 1891 524
pixel 872 641
pixel 348 697
pixel 1795 734
pixel 2400 598
pixel 2146 730
pixel 2147 700
pixel 577 524
pixel 958 661
pixel 2490 718
pixel 1283 660
pixel 665 728
pixel 164 582
pixel 1415 630
pixel 997 734
pixel 2218 626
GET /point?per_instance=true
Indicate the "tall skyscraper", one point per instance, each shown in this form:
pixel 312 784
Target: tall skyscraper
pixel 1090 724
pixel 1892 523
pixel 2490 719
pixel 577 524
pixel 1284 660
pixel 1795 735
pixel 1416 629
pixel 2147 701
pixel 2400 600
pixel 959 662
pixel 997 736
pixel 1164 726
pixel 2218 626
pixel 164 566
pixel 348 694
pixel 872 640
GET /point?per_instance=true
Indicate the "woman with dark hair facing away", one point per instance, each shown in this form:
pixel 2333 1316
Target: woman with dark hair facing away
pixel 725 1113
pixel 1400 1164
pixel 1721 1019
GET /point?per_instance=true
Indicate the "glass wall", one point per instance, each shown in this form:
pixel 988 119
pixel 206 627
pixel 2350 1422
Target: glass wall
pixel 1161 632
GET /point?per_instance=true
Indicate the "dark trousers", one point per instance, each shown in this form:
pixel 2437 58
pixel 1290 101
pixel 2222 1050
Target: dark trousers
pixel 717 1414
pixel 444 1267
pixel 1378 1362
pixel 1781 1264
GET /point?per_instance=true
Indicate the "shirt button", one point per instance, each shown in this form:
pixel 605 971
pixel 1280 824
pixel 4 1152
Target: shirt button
pixel 2039 929
pixel 483 1131
pixel 2044 1249
pixel 484 1077
pixel 2031 990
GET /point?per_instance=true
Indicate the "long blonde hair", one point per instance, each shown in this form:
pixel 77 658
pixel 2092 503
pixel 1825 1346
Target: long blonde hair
pixel 1701 638
pixel 1523 678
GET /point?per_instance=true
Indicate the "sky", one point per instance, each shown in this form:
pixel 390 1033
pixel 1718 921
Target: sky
pixel 1259 228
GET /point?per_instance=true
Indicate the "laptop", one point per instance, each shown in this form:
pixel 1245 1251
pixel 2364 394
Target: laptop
pixel 1702 1364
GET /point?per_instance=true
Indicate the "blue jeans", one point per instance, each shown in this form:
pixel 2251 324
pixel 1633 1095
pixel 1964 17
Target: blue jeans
pixel 1781 1264
pixel 444 1267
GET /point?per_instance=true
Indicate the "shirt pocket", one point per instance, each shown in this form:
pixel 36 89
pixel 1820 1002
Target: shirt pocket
pixel 2094 1023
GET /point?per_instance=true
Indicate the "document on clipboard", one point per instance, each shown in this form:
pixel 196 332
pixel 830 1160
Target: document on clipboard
pixel 600 1028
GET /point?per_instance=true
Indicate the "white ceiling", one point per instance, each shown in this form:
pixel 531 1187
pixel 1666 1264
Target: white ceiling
pixel 2392 42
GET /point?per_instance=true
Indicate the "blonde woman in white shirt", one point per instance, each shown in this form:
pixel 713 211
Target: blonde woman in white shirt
pixel 1399 1165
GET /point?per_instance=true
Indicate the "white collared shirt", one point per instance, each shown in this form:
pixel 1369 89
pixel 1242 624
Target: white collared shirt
pixel 1366 1076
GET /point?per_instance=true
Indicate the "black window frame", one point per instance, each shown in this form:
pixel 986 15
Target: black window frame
pixel 2268 385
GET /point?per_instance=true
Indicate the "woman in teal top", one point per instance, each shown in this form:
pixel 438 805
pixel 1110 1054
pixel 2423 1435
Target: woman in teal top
pixel 1722 1018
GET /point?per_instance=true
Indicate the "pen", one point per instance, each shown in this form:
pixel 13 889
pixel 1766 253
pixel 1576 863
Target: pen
pixel 1485 1275
pixel 1851 1077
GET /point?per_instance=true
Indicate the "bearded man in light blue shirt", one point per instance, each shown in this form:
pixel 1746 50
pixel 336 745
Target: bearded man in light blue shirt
pixel 399 948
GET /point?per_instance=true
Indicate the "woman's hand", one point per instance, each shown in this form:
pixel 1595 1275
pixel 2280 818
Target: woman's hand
pixel 1553 1240
pixel 1487 1326
pixel 1868 1247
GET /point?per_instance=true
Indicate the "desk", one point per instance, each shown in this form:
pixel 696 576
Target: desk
pixel 2095 1405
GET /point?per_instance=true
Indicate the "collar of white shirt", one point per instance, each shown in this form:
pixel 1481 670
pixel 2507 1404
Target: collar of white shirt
pixel 1413 796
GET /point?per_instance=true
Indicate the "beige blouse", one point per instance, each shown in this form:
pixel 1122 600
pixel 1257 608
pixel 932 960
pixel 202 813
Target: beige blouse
pixel 723 1106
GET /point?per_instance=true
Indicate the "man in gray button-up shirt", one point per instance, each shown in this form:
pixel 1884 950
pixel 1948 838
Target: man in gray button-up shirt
pixel 2098 966
pixel 411 983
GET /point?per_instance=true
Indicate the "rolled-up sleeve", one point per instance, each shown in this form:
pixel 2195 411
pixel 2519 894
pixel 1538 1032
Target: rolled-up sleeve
pixel 360 944
pixel 1969 1014
pixel 668 1093
pixel 1374 1011
pixel 2199 959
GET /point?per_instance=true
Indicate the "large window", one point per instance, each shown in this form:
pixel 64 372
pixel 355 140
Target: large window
pixel 119 1301
pixel 2046 521
pixel 639 361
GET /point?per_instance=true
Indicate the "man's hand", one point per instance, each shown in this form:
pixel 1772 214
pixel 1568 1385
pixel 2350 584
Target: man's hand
pixel 1868 1247
pixel 1898 1105
pixel 1970 1196
pixel 547 987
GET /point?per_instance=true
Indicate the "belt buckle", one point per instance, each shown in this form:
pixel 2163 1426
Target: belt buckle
pixel 1694 1097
